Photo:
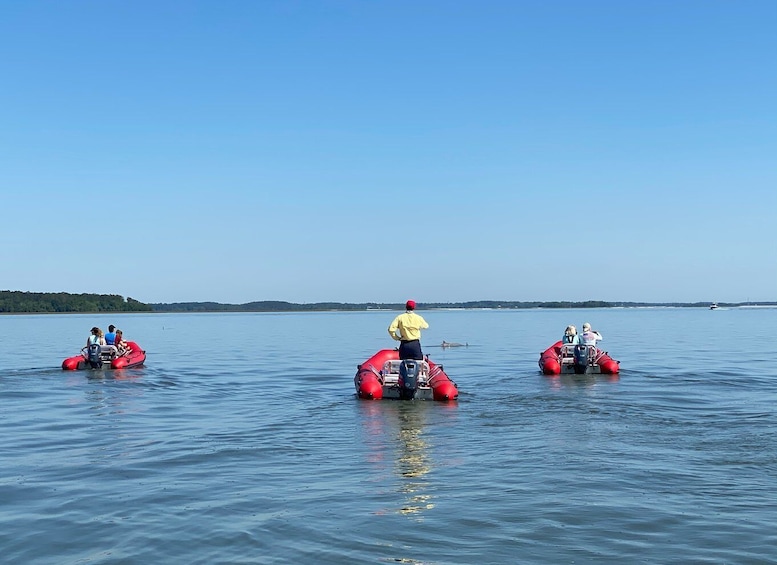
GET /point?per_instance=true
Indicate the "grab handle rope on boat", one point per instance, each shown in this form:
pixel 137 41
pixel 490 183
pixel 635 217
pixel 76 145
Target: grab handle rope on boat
pixel 373 370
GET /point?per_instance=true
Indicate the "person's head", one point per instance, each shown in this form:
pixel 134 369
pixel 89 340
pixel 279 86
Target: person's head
pixel 111 328
pixel 95 331
pixel 586 327
pixel 118 333
pixel 571 330
pixel 410 305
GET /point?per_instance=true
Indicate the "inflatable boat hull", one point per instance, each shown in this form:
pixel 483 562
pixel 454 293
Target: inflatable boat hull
pixel 378 378
pixel 556 360
pixel 133 358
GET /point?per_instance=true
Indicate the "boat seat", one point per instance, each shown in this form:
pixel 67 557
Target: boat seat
pixel 568 353
pixel 108 351
pixel 390 371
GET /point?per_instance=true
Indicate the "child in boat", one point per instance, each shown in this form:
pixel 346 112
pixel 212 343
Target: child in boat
pixel 122 346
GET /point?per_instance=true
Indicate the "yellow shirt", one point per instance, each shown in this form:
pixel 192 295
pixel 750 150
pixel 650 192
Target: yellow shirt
pixel 409 325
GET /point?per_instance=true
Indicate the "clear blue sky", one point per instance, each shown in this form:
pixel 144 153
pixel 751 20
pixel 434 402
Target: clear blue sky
pixel 357 151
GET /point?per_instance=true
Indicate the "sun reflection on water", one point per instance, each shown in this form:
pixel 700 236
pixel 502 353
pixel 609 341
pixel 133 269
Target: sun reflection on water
pixel 395 433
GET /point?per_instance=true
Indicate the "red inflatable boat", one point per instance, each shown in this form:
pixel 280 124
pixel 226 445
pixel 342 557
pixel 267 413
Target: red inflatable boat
pixel 384 376
pixel 106 357
pixel 579 359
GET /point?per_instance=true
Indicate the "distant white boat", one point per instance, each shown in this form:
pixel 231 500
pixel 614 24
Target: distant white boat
pixel 714 306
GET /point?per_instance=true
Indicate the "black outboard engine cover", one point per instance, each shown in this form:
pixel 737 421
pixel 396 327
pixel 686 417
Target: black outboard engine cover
pixel 581 359
pixel 95 360
pixel 408 378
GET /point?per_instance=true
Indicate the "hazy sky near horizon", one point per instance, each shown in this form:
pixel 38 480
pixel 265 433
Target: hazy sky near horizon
pixel 358 151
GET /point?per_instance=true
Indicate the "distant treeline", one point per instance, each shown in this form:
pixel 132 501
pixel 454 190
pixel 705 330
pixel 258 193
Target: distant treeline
pixel 35 302
pixel 279 306
pixel 15 302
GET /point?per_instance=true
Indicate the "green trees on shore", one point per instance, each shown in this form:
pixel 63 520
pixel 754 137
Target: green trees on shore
pixel 280 306
pixel 16 302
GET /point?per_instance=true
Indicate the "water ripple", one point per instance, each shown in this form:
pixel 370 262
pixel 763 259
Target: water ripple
pixel 244 454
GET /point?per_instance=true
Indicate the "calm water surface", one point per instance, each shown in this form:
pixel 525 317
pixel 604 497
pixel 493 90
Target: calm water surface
pixel 241 441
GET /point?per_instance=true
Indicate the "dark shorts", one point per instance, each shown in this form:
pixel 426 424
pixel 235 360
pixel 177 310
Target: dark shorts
pixel 411 350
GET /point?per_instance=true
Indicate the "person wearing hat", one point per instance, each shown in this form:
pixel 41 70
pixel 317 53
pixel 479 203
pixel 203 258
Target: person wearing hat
pixel 110 337
pixel 406 329
pixel 95 337
pixel 589 336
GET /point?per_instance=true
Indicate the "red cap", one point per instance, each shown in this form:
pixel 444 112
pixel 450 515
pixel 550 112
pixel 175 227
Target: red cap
pixel 410 305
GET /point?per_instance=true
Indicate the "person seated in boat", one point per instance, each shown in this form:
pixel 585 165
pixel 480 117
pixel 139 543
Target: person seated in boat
pixel 110 337
pixel 408 326
pixel 121 346
pixel 589 336
pixel 104 351
pixel 95 337
pixel 570 336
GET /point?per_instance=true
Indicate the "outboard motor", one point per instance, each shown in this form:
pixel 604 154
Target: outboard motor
pixel 581 359
pixel 408 378
pixel 94 357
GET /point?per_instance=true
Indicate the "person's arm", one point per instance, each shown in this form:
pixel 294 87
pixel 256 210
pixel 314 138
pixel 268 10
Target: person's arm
pixel 392 329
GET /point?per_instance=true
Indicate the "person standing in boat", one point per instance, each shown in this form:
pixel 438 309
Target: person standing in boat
pixel 570 336
pixel 406 329
pixel 589 336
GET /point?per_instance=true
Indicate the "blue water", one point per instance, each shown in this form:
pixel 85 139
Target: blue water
pixel 241 441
